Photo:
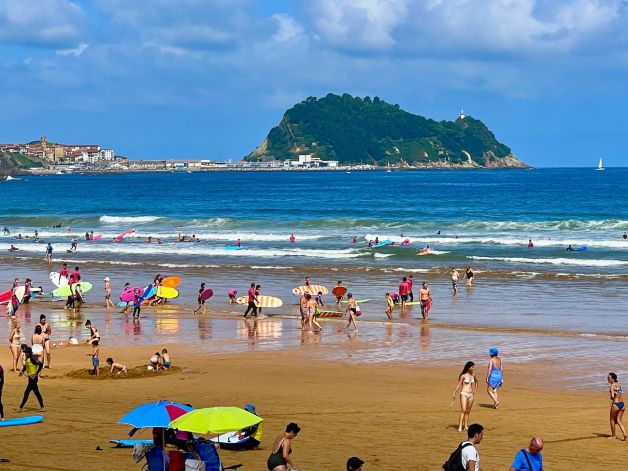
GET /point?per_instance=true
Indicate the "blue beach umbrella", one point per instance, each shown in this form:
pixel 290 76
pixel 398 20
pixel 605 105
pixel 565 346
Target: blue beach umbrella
pixel 154 414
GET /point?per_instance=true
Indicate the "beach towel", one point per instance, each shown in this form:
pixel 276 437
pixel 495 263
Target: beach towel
pixel 194 465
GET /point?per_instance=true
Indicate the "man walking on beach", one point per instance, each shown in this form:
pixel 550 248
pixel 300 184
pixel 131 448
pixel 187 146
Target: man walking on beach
pixel 530 458
pixel 426 300
pixel 252 306
pixel 466 455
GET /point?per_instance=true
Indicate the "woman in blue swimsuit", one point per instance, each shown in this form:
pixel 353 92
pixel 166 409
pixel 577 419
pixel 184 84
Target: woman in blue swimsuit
pixel 494 375
pixel 617 405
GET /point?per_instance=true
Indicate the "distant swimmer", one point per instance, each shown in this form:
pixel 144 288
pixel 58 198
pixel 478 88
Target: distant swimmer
pixel 530 244
pixel 438 233
pixel 238 243
pixel 193 238
pixel 354 240
pixel 427 249
pixel 370 244
pixel 13 248
pixel 36 236
pixel 149 239
pixel 376 240
pixel 87 236
pixel 73 245
pixel 6 231
pixel 625 236
pixel 158 241
pixel 292 238
pixel 405 243
pixel 570 248
pixel 455 276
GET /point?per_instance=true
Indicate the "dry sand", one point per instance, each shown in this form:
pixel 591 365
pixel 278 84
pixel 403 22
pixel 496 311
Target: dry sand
pixel 393 416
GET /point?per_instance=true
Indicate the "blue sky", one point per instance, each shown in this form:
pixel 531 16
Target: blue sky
pixel 209 78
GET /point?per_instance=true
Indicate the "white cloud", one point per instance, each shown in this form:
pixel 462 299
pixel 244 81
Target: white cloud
pixel 75 52
pixel 287 28
pixel 47 23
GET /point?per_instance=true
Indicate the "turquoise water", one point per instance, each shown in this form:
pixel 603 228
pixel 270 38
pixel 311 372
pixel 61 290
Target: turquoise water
pixel 485 219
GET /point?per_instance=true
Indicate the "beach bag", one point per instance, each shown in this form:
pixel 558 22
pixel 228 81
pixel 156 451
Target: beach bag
pixel 358 312
pixel 454 463
pixel 194 465
pixel 140 449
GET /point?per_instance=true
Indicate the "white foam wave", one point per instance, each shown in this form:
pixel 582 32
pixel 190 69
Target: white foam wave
pixel 127 219
pixel 410 270
pixel 383 255
pixel 556 261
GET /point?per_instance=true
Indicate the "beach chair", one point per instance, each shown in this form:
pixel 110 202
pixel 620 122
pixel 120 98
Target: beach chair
pixel 155 459
pixel 208 453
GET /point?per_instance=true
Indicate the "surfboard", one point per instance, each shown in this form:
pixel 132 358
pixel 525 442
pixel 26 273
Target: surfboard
pixel 263 301
pixel 19 293
pixel 149 291
pixel 411 303
pixel 127 295
pixel 65 290
pixel 330 313
pixel 121 304
pixel 171 281
pixel 205 295
pixel 5 296
pixel 339 291
pixel 124 234
pixel 359 301
pixel 31 419
pixel 96 237
pixel 129 443
pixel 167 293
pixel 57 279
pixel 312 289
pixel 580 249
pixel 235 247
pixel 424 252
pixel 382 244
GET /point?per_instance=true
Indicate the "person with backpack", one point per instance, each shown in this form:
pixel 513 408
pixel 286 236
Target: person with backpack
pixel 466 456
pixel 529 459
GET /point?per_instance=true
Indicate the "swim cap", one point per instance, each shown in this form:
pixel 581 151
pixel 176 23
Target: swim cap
pixel 493 351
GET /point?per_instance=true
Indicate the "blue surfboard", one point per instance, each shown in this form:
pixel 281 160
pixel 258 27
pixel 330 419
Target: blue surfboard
pixel 234 247
pixel 31 419
pixel 129 443
pixel 382 244
pixel 580 249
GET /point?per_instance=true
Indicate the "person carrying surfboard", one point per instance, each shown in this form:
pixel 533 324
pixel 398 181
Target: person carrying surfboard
pixel 201 302
pixel 252 306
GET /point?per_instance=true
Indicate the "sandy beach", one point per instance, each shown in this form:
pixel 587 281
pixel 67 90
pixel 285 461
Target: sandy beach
pixel 394 416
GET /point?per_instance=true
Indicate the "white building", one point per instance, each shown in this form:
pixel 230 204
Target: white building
pixel 106 154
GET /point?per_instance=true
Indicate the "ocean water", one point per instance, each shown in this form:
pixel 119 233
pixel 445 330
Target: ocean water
pixel 485 219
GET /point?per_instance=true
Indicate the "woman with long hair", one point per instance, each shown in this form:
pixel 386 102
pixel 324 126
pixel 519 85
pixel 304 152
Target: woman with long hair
pixel 15 342
pixel 617 405
pixel 468 385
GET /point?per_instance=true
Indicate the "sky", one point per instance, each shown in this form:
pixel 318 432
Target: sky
pixel 156 79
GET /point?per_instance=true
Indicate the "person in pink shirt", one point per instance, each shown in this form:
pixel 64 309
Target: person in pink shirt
pixel 232 296
pixel 64 270
pixel 409 284
pixel 403 292
pixel 252 306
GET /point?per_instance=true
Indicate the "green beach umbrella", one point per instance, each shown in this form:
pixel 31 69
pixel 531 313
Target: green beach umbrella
pixel 215 420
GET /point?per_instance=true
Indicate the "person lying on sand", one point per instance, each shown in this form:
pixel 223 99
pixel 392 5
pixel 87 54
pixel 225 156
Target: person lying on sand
pixel 117 368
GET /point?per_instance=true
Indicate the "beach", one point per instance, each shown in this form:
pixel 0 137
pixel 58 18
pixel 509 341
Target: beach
pixel 383 394
pixel 393 415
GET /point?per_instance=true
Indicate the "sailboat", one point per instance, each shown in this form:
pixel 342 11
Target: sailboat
pixel 599 165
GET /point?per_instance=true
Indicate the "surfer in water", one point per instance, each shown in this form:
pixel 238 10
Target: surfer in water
pixel 376 240
pixel 570 248
pixel 468 273
pixel 625 236
pixel 354 240
pixel 73 246
pixel 292 238
pixel 238 244
pixel 530 244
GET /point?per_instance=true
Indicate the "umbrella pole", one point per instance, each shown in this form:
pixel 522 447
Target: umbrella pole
pixel 163 444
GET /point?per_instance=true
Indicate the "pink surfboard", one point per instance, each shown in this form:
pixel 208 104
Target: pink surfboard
pixel 205 295
pixel 97 237
pixel 5 296
pixel 128 295
pixel 124 234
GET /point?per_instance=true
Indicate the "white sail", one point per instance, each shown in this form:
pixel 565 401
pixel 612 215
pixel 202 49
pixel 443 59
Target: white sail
pixel 599 165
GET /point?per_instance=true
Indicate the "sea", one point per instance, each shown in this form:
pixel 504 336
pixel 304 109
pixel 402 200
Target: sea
pixel 479 218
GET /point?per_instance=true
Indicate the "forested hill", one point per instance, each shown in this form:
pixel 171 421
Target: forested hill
pixel 353 130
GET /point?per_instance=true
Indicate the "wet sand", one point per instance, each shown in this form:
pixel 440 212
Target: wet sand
pixel 394 415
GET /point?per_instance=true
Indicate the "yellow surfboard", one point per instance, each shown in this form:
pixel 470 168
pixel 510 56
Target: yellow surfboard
pixel 167 292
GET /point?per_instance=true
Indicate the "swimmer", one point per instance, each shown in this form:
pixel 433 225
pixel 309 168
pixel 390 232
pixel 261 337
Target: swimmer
pixel 455 276
pixel 13 248
pixel 570 248
pixel 49 253
pixel 292 238
pixel 425 298
pixel 468 273
pixel 530 244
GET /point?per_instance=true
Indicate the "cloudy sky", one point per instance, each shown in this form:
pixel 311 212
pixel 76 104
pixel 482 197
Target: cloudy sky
pixel 209 78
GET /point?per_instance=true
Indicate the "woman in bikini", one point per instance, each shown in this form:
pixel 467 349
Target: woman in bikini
pixel 279 459
pixel 352 309
pixel 15 342
pixel 311 313
pixel 46 331
pixel 37 343
pixel 468 385
pixel 617 405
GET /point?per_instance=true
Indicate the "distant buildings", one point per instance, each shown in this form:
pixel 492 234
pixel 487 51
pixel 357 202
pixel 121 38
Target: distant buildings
pixel 61 153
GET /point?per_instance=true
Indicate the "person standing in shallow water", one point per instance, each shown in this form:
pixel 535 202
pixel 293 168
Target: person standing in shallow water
pixel 468 385
pixel 617 405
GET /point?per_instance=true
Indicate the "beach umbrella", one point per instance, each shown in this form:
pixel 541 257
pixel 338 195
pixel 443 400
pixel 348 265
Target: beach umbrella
pixel 154 414
pixel 215 420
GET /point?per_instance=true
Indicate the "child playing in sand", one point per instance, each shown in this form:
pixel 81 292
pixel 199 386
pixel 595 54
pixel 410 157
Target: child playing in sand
pixel 95 359
pixel 390 305
pixel 165 359
pixel 155 362
pixel 232 296
pixel 116 368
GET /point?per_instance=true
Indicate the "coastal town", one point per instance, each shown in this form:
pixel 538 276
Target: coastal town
pixel 69 158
